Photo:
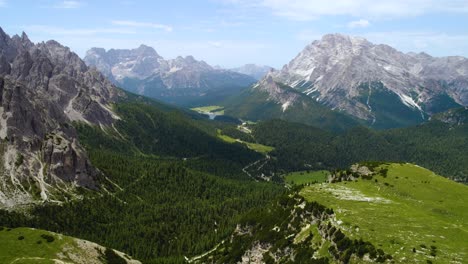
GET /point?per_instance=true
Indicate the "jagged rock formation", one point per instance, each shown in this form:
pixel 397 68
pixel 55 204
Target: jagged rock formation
pixel 144 71
pixel 43 88
pixel 256 71
pixel 376 83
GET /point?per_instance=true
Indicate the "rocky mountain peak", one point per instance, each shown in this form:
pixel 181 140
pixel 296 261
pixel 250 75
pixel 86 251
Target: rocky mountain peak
pixel 179 77
pixel 337 71
pixel 337 38
pixel 44 89
pixel 146 51
pixel 190 59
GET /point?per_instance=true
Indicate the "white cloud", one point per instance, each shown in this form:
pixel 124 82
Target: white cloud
pixel 68 4
pixel 54 31
pixel 361 23
pixel 313 9
pixel 129 23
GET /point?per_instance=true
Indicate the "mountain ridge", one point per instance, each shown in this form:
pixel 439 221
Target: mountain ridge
pixel 145 72
pixel 254 70
pixel 342 72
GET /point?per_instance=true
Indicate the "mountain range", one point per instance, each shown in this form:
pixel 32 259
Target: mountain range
pixel 183 80
pixel 376 84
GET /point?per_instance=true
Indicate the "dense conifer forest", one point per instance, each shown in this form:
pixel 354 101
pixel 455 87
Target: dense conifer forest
pixel 435 145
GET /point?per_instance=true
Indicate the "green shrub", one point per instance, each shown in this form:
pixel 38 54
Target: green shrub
pixel 48 238
pixel 113 258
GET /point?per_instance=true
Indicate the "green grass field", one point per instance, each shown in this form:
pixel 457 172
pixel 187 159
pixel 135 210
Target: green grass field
pixel 219 110
pixel 304 177
pixel 253 146
pixel 25 245
pixel 35 246
pixel 411 214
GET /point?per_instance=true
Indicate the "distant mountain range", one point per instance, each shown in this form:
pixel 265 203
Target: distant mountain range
pixel 376 84
pixel 253 70
pixel 181 80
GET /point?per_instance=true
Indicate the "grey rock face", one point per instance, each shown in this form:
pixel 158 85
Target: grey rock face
pixel 43 88
pixel 143 71
pixel 277 93
pixel 332 70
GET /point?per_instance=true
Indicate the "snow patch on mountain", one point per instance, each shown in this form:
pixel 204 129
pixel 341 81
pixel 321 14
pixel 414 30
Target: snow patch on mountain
pixel 285 105
pixel 409 101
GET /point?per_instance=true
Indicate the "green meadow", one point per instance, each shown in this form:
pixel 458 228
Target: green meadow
pixel 305 177
pixel 412 213
pixel 253 146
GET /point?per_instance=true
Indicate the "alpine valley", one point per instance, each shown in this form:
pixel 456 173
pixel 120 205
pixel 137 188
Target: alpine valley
pixel 351 153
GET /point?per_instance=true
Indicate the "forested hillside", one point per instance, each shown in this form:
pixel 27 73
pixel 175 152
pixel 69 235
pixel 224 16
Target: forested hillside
pixel 256 104
pixel 436 145
pixel 171 189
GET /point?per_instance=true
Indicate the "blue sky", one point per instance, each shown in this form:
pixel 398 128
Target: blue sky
pixel 235 32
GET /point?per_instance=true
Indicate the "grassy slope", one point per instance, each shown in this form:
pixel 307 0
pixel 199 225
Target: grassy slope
pixel 253 146
pixel 303 177
pixel 219 110
pixel 26 245
pixel 416 209
pixel 28 250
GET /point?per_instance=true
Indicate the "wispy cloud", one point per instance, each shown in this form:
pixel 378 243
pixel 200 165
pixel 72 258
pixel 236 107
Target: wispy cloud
pixel 361 23
pixel 129 23
pixel 68 4
pixel 2 3
pixel 313 9
pixel 54 31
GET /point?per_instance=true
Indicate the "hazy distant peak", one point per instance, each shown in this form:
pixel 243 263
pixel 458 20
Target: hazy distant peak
pixel 254 70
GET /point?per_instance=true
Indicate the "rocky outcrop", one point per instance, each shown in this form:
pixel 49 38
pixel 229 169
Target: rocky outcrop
pixel 43 88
